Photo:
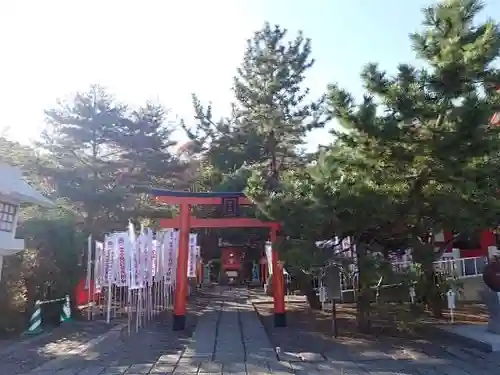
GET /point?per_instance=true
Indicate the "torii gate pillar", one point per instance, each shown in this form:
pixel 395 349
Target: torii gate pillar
pixel 181 279
pixel 278 281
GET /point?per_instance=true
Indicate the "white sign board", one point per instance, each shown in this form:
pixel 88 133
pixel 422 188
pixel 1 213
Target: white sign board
pixel 269 256
pixel 412 294
pixel 450 297
pixel 206 274
pixel 322 294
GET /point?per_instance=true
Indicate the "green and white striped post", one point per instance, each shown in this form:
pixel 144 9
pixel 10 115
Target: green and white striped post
pixel 66 310
pixel 35 323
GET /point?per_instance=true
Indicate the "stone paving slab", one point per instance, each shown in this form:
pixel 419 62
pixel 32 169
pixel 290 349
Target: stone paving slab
pixel 232 329
pixel 155 349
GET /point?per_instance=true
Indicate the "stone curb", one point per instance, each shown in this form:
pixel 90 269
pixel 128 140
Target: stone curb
pixel 111 333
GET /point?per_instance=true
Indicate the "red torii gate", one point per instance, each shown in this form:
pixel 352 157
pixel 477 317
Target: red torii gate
pixel 185 222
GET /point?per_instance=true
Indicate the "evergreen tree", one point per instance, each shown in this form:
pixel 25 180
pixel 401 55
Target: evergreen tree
pixel 86 166
pixel 272 106
pixel 144 145
pixel 219 143
pixel 23 157
pixel 105 157
pixel 426 132
pixel 270 117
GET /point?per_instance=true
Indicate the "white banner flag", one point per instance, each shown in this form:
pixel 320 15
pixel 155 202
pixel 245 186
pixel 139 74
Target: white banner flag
pixel 141 263
pixel 170 258
pixel 89 263
pixel 175 255
pixel 149 255
pixel 144 259
pixel 98 266
pixel 135 282
pixel 122 261
pixel 198 259
pixel 162 259
pixel 269 256
pixel 154 257
pixel 135 266
pixel 191 271
pixel 160 249
pixel 109 255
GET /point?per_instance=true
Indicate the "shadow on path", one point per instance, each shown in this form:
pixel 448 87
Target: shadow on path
pixel 374 355
pixel 30 352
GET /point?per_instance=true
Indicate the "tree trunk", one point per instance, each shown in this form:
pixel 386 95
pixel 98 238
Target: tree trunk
pixel 312 298
pixel 425 255
pixel 363 293
pixel 363 311
pixel 434 299
pixel 305 285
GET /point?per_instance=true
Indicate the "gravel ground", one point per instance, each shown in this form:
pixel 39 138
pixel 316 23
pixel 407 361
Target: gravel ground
pixel 378 353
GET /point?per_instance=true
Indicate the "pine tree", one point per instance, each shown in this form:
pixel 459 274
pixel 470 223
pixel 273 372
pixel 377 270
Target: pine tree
pixel 85 166
pixel 269 119
pixel 145 141
pixel 105 157
pixel 271 103
pixel 145 148
pixel 427 131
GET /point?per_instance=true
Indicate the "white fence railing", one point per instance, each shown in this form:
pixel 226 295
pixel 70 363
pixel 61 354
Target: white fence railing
pixel 459 268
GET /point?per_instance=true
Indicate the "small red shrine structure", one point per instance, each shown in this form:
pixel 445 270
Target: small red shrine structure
pixel 487 239
pixel 230 202
pixel 231 261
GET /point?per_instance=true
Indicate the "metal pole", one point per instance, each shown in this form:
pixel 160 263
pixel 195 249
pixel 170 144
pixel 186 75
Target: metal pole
pixel 334 319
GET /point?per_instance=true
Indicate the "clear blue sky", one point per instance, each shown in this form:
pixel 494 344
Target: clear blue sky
pixel 165 50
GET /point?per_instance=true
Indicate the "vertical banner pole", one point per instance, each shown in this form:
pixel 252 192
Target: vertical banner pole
pixel 89 276
pixel 334 319
pixel 108 311
pixel 109 272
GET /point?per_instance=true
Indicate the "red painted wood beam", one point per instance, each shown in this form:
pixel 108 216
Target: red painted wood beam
pixel 241 222
pixel 243 201
pixel 181 286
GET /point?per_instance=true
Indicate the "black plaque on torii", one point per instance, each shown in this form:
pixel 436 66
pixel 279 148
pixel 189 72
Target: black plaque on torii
pixel 230 206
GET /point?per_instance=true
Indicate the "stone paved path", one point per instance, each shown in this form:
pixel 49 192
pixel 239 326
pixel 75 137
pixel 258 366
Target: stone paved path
pixel 229 338
pixel 31 352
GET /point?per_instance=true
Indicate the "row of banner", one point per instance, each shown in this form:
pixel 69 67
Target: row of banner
pixel 128 260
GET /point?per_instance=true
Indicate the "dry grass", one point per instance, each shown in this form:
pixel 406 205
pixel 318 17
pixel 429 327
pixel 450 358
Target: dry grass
pixel 388 320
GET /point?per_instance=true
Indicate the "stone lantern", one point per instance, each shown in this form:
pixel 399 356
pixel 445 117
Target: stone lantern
pixel 14 191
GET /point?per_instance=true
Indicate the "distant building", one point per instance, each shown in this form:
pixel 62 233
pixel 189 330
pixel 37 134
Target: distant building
pixel 14 191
